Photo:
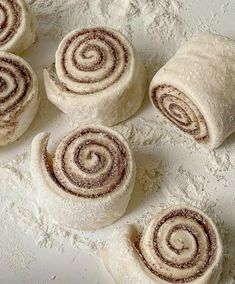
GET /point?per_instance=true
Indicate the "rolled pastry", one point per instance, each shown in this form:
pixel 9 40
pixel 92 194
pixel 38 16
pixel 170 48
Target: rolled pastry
pixel 19 99
pixel 17 26
pixel 195 89
pixel 180 245
pixel 89 181
pixel 98 77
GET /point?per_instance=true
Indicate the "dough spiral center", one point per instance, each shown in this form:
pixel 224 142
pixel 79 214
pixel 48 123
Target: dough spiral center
pixel 90 163
pixel 11 16
pixel 91 60
pixel 15 84
pixel 179 246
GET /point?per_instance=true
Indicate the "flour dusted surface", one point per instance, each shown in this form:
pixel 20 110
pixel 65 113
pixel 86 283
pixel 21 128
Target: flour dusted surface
pixel 172 169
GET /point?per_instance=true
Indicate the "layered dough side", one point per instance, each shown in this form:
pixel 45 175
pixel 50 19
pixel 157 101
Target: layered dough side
pixel 195 89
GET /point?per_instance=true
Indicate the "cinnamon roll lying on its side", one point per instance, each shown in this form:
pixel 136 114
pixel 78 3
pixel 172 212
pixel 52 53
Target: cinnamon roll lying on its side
pixel 98 77
pixel 19 99
pixel 195 89
pixel 180 245
pixel 88 182
pixel 17 26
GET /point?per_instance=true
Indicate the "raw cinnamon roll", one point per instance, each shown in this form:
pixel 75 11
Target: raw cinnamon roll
pixel 97 76
pixel 195 89
pixel 17 26
pixel 89 181
pixel 19 99
pixel 180 245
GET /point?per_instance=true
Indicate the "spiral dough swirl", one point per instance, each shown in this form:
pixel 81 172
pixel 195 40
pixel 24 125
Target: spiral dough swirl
pixel 180 110
pixel 11 17
pixel 179 245
pixel 91 60
pixel 90 162
pixel 16 84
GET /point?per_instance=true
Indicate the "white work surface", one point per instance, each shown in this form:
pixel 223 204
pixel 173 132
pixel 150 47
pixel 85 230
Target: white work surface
pixel 156 30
